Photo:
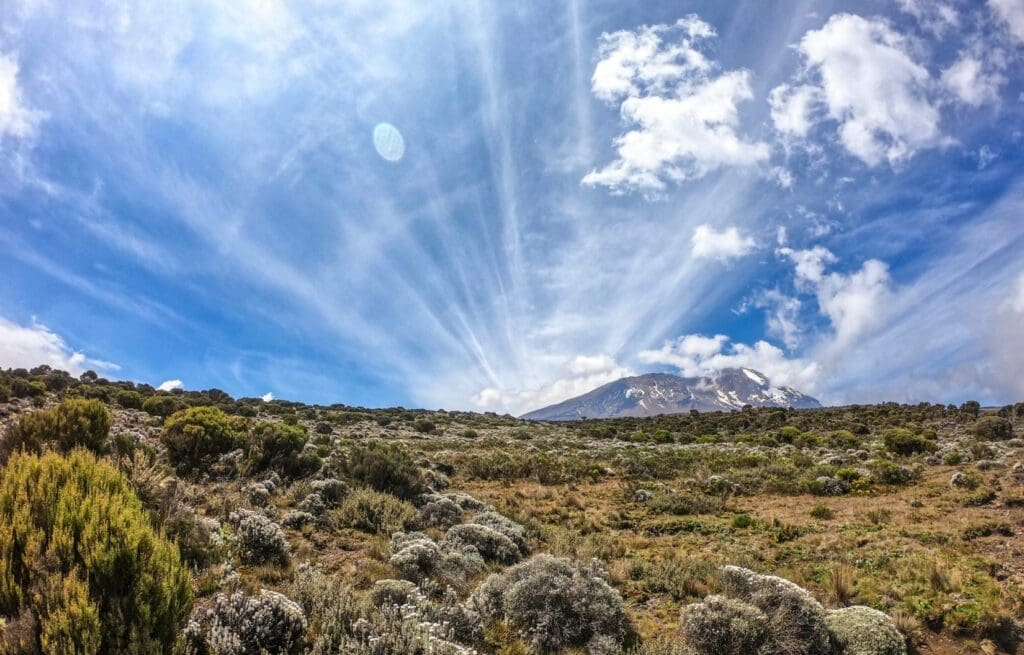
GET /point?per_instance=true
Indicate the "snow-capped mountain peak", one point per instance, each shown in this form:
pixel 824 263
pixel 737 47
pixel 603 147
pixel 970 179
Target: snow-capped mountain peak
pixel 663 393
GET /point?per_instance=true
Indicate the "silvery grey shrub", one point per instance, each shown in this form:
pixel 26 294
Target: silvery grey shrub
pixel 506 526
pixel 862 630
pixel 768 615
pixel 238 624
pixel 553 603
pixel 259 540
pixel 439 512
pixel 723 626
pixel 488 542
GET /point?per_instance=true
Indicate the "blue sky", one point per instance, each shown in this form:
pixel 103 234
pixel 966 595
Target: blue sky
pixel 830 193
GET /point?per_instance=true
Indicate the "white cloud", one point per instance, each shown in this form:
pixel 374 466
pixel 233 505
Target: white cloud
pixel 792 107
pixel 34 345
pixel 683 113
pixel 171 385
pixel 870 86
pixel 726 244
pixel 587 364
pixel 782 316
pixel 634 61
pixel 854 303
pixel 968 80
pixel 687 353
pixel 697 355
pixel 857 303
pixel 584 373
pixel 267 397
pixel 810 263
pixel 16 119
pixel 782 177
pixel 1011 13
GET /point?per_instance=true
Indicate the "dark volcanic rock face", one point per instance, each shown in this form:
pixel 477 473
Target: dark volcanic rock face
pixel 663 393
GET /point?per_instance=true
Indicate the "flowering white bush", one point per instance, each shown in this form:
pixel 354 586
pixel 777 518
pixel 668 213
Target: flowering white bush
pixel 237 624
pixel 259 539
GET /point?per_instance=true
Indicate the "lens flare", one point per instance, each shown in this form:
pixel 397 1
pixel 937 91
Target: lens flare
pixel 388 141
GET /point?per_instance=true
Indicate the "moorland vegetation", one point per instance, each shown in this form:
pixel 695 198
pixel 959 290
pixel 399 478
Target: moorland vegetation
pixel 134 520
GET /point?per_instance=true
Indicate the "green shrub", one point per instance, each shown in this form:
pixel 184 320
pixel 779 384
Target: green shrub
pixel 993 428
pixel 742 521
pixel 822 512
pixel 683 503
pixel 75 422
pixel 423 425
pixel 953 458
pixel 373 512
pixel 80 554
pixel 197 436
pixel 386 468
pixel 888 472
pixel 904 442
pixel 278 446
pixel 129 399
pixel 162 405
pixel 22 388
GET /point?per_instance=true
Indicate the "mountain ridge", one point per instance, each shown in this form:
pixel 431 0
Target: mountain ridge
pixel 651 394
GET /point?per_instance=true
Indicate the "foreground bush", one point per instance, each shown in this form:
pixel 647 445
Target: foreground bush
pixel 865 631
pixel 82 567
pixel 723 626
pixel 239 625
pixel 553 603
pixel 197 436
pixel 764 614
pixel 400 620
pixel 795 620
pixel 74 423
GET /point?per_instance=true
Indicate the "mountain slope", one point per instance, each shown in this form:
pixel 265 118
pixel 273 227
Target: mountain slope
pixel 663 393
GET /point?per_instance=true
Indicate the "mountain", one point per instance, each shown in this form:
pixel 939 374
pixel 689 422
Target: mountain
pixel 663 393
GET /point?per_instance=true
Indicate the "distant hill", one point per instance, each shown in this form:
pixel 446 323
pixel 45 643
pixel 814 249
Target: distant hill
pixel 663 393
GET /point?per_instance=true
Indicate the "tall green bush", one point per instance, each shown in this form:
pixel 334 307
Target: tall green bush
pixel 197 436
pixel 76 422
pixel 993 428
pixel 162 405
pixel 80 562
pixel 904 442
pixel 279 446
pixel 387 469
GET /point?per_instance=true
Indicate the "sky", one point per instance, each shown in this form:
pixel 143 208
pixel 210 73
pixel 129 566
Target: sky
pixel 499 205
